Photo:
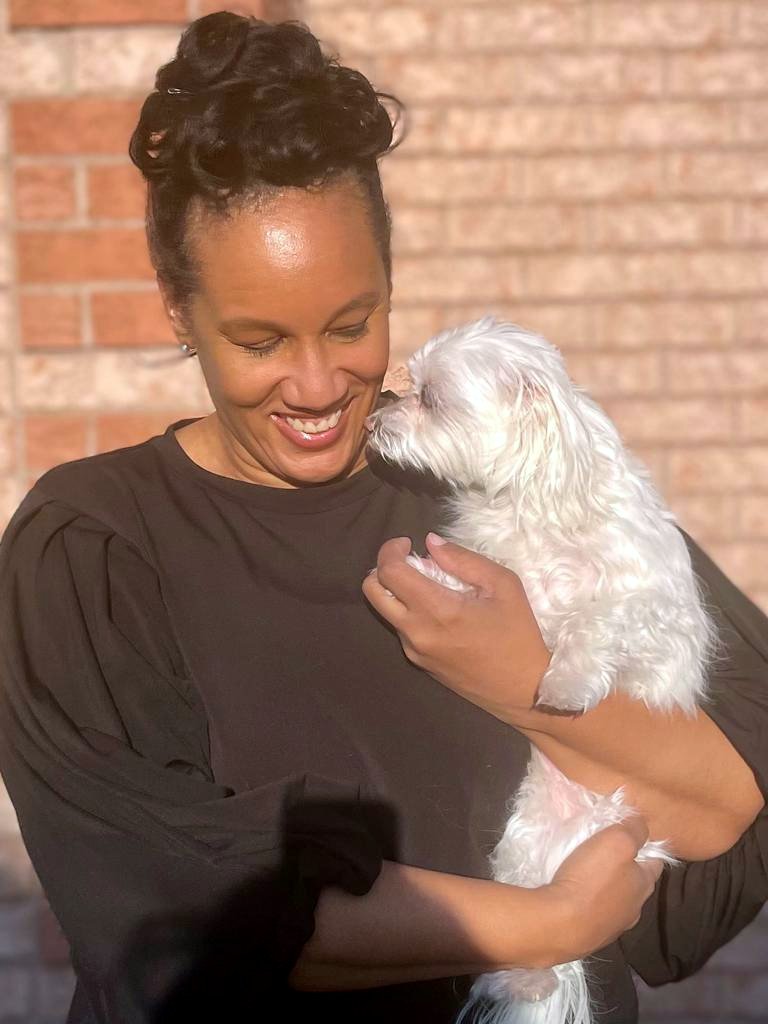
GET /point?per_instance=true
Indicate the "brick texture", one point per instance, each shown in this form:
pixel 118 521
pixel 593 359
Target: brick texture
pixel 595 171
pixel 56 13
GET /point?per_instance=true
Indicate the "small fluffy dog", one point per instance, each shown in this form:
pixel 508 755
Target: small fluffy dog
pixel 541 482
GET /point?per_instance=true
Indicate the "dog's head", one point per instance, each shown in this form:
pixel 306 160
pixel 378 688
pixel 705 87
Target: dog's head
pixel 492 406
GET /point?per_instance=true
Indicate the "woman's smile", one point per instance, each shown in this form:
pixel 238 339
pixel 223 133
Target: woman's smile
pixel 313 432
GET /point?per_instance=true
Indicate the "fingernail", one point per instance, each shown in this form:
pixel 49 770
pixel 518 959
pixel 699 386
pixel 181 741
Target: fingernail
pixel 435 538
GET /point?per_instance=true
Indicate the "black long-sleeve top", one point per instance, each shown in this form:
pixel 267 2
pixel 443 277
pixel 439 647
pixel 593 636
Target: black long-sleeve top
pixel 202 723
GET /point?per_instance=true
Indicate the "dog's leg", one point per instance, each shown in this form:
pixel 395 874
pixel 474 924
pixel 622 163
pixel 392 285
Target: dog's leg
pixel 427 567
pixel 585 662
pixel 646 644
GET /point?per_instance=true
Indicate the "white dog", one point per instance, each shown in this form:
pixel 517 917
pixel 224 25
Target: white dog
pixel 541 482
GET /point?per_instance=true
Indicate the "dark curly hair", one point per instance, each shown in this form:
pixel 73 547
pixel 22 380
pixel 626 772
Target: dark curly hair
pixel 245 109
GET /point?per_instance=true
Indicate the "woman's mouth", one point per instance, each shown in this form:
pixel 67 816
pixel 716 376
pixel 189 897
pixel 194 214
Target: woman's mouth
pixel 306 432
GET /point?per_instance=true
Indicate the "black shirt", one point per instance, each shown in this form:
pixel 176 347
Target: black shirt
pixel 203 723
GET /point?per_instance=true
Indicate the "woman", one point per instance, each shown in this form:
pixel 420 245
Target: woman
pixel 237 792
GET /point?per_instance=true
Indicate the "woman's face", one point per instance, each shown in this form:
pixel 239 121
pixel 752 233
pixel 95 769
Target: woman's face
pixel 291 326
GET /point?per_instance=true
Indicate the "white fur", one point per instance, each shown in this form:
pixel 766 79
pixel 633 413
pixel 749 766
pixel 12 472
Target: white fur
pixel 542 483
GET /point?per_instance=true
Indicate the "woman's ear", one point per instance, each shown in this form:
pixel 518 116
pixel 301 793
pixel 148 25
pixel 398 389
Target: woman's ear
pixel 173 312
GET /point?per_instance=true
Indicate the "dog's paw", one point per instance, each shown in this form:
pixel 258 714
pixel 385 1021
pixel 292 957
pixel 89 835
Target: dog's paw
pixel 518 983
pixel 429 568
pixel 557 690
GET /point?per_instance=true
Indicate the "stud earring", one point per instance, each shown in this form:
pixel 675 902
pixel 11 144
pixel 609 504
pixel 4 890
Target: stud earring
pixel 187 350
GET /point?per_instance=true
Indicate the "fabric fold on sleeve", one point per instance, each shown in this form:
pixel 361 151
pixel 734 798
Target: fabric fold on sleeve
pixel 700 906
pixel 104 751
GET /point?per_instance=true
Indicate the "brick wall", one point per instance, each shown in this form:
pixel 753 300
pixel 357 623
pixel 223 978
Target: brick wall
pixel 593 169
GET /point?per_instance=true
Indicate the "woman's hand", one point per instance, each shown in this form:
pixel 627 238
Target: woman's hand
pixel 485 644
pixel 601 888
pixel 415 924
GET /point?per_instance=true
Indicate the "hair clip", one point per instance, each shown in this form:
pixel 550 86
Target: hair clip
pixel 178 92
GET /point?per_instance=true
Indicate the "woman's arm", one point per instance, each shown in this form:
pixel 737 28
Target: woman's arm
pixel 681 773
pixel 414 925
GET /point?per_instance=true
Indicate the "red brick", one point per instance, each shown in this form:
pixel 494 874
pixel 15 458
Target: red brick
pixel 644 225
pixel 101 255
pixel 753 516
pixel 588 74
pixel 616 374
pixel 469 179
pixel 129 318
pixel 752 418
pixel 457 278
pixel 520 24
pixel 654 324
pixel 710 517
pixel 678 23
pixel 752 222
pixel 639 273
pixel 659 123
pixel 530 226
pixel 727 371
pixel 655 461
pixel 51 440
pixel 753 22
pixel 268 10
pixel 719 173
pixel 718 72
pixel 665 420
pixel 116 191
pixel 49 320
pixel 532 128
pixel 752 321
pixel 45 13
pixel 719 470
pixel 73 126
pixel 7 458
pixel 595 176
pixel 44 193
pixel 119 430
pixel 751 120
pixel 742 562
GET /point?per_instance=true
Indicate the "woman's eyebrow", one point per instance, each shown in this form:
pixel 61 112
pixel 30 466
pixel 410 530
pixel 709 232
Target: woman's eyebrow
pixel 365 299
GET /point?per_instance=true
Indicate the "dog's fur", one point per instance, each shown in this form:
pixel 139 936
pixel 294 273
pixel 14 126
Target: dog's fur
pixel 542 483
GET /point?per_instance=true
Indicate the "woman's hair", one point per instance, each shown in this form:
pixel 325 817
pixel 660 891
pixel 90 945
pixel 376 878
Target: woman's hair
pixel 244 109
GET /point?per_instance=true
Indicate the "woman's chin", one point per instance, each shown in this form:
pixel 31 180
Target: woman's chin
pixel 320 467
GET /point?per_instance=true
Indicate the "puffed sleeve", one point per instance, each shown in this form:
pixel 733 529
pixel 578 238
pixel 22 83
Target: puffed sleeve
pixel 699 906
pixel 104 752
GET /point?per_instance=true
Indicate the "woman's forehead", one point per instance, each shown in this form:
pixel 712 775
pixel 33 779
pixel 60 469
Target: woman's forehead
pixel 295 239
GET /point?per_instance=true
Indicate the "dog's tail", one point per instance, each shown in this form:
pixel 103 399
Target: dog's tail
pixel 496 998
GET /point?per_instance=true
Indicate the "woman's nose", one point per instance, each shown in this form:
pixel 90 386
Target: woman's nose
pixel 314 382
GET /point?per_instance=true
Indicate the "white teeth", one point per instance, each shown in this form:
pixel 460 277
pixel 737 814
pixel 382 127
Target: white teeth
pixel 314 426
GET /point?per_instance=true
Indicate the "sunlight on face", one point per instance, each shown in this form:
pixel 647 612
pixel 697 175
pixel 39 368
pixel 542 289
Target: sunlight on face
pixel 292 329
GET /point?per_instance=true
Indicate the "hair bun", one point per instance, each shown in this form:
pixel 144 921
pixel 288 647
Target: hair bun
pixel 257 101
pixel 247 106
pixel 226 48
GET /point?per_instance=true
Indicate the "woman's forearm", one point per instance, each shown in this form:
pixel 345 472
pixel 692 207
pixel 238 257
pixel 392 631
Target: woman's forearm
pixel 681 773
pixel 415 925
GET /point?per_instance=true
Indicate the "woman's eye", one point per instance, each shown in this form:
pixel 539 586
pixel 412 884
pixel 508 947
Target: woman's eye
pixel 262 349
pixel 357 331
pixel 265 347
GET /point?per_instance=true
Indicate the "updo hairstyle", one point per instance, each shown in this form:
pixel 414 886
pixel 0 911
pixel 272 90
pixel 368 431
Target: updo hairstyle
pixel 245 109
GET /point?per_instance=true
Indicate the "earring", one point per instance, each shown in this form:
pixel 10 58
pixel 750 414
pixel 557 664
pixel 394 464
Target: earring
pixel 187 350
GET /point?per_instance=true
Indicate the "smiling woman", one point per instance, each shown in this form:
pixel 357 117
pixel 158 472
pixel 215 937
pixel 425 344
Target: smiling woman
pixel 301 284
pixel 268 811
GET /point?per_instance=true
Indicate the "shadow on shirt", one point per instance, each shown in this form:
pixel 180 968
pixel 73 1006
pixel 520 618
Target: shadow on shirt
pixel 236 960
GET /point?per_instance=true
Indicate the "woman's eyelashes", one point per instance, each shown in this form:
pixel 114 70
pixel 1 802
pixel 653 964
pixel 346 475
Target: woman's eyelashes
pixel 264 348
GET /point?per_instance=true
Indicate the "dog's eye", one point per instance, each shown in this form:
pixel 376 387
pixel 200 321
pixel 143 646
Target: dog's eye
pixel 426 397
